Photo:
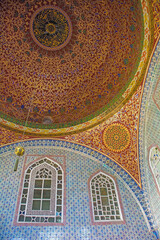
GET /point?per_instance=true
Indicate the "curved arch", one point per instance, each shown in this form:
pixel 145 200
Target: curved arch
pixel 154 164
pixel 105 204
pixel 42 194
pixel 148 135
pixel 85 151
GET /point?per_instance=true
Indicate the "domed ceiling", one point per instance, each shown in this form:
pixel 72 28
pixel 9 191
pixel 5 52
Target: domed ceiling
pixel 67 65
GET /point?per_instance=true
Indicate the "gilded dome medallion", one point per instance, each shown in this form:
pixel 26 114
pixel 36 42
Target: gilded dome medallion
pixel 50 28
pixel 116 137
pixel 71 64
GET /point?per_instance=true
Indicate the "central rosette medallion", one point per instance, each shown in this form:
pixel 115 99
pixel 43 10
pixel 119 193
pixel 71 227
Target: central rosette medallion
pixel 51 28
pixel 82 59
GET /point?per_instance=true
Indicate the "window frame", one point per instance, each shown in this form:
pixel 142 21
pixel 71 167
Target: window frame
pixel 150 149
pixel 30 199
pixel 50 158
pixel 104 222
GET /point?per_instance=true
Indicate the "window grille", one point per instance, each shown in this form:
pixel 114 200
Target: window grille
pixel 42 193
pixel 104 199
pixel 154 162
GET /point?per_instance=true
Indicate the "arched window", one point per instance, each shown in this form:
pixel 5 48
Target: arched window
pixel 105 203
pixel 42 193
pixel 154 163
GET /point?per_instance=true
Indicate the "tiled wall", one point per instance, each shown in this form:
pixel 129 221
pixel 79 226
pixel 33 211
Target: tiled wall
pixel 81 163
pixel 149 135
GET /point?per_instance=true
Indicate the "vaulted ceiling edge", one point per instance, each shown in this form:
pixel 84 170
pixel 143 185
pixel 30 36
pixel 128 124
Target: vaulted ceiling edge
pixel 121 125
pixel 71 67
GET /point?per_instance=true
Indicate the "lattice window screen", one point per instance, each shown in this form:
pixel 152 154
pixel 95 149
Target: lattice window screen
pixel 105 200
pixel 42 193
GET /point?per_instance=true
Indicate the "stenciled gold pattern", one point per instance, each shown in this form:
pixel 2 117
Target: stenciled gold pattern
pixel 116 137
pixel 156 15
pixel 74 84
pixel 128 118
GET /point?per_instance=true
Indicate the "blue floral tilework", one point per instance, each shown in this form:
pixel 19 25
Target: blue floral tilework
pixel 149 129
pixel 81 163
